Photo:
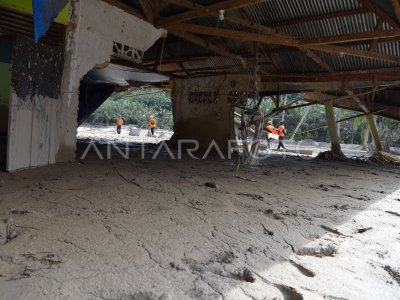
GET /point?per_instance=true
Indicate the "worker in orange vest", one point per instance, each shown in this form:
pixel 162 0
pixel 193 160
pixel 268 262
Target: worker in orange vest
pixel 152 124
pixel 119 124
pixel 281 132
pixel 270 129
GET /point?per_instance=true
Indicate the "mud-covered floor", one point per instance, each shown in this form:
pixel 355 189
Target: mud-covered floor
pixel 144 229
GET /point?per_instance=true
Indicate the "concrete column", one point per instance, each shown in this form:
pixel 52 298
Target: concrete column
pixel 333 134
pixel 374 132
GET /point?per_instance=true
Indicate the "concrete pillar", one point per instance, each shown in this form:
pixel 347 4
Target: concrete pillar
pixel 203 109
pixel 374 132
pixel 333 134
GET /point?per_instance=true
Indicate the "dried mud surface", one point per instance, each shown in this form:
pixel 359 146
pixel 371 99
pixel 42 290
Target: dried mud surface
pixel 164 229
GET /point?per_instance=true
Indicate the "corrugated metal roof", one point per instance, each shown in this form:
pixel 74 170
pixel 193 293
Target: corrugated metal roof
pixel 278 11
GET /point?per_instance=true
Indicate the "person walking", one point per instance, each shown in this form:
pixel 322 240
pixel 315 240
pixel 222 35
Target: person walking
pixel 270 129
pixel 120 122
pixel 152 124
pixel 281 132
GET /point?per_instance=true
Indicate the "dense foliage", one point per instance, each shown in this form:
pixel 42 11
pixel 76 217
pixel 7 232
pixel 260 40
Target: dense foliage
pixel 135 107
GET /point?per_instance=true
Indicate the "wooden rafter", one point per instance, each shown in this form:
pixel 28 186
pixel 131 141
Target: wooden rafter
pixel 336 15
pixel 375 41
pixel 226 67
pixel 183 3
pixel 127 8
pixel 375 8
pixel 271 39
pixel 202 11
pixel 353 37
pixel 228 33
pixel 357 100
pixel 390 74
pixel 354 52
pixel 396 7
pixel 259 28
pixel 150 62
pixel 157 7
pixel 318 60
pixel 264 29
pixel 147 9
pixel 204 44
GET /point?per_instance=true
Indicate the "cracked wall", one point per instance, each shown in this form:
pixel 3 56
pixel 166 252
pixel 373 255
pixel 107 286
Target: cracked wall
pixel 43 126
pixel 93 28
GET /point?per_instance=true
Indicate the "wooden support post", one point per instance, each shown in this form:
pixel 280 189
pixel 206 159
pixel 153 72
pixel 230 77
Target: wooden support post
pixel 371 122
pixel 333 134
pixel 374 132
pixel 301 122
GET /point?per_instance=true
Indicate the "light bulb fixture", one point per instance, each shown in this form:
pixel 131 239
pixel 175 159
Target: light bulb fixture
pixel 221 14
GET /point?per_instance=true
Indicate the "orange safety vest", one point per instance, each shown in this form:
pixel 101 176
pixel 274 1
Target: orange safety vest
pixel 269 128
pixel 281 130
pixel 152 123
pixel 120 121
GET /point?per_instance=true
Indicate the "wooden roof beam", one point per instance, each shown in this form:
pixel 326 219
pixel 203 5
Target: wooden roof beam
pixel 147 9
pixel 341 14
pixel 277 40
pixel 375 8
pixel 374 43
pixel 183 3
pixel 389 74
pixel 127 8
pixel 202 11
pixel 318 60
pixel 353 37
pixel 207 45
pixel 259 28
pixel 396 7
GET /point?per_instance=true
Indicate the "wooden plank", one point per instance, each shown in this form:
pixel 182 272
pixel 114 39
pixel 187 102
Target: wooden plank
pixel 207 10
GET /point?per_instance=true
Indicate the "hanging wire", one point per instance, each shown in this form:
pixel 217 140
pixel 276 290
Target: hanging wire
pixel 161 58
pixel 250 150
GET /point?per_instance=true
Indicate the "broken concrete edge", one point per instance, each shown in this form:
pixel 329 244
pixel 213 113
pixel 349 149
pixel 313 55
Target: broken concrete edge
pixel 93 28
